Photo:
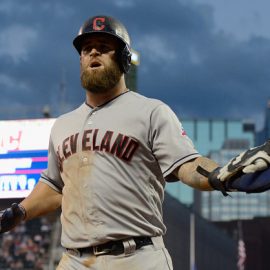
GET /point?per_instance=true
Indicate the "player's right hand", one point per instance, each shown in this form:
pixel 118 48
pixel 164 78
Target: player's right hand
pixel 11 217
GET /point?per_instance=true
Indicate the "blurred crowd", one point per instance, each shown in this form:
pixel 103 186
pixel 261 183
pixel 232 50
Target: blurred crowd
pixel 27 246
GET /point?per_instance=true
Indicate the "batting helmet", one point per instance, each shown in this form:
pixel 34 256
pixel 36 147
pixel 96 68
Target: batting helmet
pixel 110 26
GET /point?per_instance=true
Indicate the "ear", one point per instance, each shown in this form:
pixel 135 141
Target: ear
pixel 80 60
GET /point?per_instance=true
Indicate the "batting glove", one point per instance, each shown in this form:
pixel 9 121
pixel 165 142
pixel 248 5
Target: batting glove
pixel 11 217
pixel 253 160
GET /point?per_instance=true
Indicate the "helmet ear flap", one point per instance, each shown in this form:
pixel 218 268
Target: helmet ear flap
pixel 125 59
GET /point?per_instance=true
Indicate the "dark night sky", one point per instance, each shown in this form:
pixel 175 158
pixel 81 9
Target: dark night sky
pixel 204 58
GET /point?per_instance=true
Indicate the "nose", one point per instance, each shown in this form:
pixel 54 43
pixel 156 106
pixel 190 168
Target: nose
pixel 94 52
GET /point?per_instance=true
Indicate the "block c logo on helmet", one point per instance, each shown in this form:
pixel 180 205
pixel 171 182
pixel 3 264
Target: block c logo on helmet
pixel 98 24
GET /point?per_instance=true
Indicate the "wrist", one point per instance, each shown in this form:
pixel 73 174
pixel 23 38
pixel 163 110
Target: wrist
pixel 24 215
pixel 216 183
pixel 213 179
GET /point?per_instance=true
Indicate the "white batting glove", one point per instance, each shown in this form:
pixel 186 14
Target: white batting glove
pixel 253 160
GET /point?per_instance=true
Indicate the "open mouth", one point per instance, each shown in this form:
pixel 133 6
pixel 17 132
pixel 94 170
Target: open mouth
pixel 95 64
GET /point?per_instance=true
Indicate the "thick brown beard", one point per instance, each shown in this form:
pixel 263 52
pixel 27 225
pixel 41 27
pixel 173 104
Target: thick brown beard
pixel 97 81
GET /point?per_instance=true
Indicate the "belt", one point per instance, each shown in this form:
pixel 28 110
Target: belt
pixel 112 247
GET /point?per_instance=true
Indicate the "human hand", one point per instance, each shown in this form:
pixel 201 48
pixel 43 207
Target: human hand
pixel 252 160
pixel 11 217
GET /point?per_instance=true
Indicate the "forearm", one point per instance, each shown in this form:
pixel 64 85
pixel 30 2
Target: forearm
pixel 187 173
pixel 42 200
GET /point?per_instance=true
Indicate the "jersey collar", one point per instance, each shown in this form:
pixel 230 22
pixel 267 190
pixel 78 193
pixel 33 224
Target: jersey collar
pixel 107 102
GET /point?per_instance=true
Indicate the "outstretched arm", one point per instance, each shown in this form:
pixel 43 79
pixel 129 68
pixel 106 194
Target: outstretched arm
pixel 42 200
pixel 204 174
pixel 188 174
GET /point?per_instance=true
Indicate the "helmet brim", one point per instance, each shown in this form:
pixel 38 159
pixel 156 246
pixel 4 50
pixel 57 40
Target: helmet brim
pixel 79 40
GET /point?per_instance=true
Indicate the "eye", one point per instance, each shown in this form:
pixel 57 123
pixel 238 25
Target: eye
pixel 102 48
pixel 86 49
pixel 105 48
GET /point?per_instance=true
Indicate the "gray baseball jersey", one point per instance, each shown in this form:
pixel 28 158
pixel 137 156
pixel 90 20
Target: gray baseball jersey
pixel 111 163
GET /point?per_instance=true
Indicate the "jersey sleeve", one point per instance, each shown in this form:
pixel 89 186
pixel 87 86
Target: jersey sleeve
pixel 170 144
pixel 51 176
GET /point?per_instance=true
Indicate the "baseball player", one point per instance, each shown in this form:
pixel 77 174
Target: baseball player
pixel 109 160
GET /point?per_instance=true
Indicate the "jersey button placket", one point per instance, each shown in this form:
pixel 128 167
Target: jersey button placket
pixel 92 217
pixel 90 120
pixel 84 160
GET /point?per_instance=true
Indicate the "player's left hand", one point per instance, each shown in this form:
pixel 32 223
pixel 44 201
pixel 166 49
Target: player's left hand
pixel 256 182
pixel 253 160
pixel 251 182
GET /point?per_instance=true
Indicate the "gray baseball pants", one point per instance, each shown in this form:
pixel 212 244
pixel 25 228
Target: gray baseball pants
pixel 150 257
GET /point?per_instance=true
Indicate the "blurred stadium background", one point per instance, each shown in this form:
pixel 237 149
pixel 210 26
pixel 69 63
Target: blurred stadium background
pixel 205 230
